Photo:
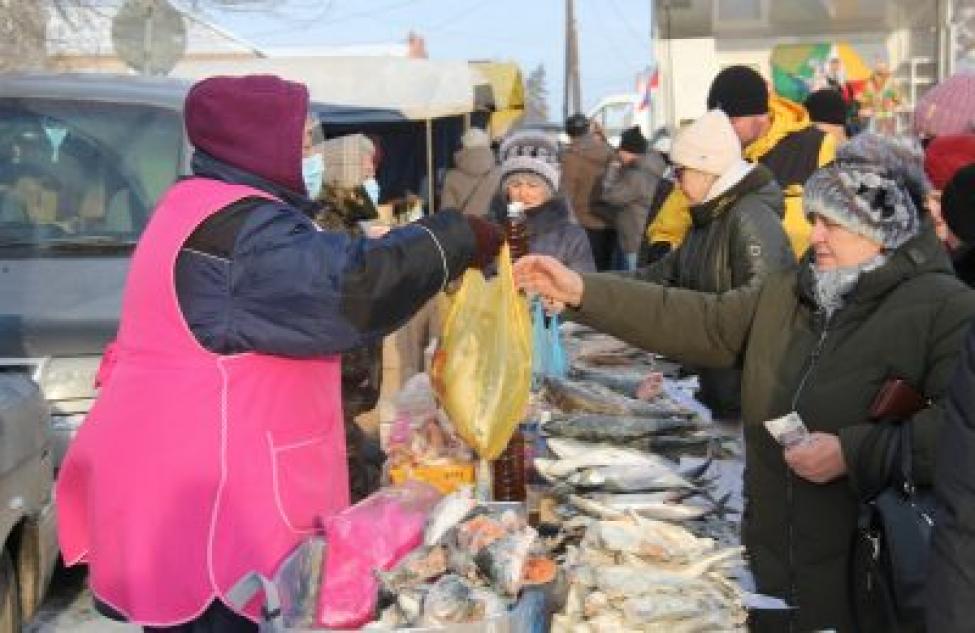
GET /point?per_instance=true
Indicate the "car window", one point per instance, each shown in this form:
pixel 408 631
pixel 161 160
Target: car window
pixel 83 169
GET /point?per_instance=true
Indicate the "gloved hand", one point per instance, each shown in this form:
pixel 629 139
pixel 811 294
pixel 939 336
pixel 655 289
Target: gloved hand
pixel 488 237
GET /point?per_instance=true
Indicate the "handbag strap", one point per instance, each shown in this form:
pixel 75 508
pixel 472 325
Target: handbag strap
pixel 907 459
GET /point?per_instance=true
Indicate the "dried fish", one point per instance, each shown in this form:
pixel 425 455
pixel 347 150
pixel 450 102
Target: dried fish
pixel 419 566
pixel 621 429
pixel 450 600
pixel 503 561
pixel 575 395
pixel 646 537
pixel 630 478
pixel 448 512
pixel 577 455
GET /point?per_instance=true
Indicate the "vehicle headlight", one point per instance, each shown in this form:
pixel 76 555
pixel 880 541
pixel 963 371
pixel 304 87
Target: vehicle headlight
pixel 69 378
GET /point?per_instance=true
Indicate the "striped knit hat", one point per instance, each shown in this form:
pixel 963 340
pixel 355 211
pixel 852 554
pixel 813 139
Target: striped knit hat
pixel 528 151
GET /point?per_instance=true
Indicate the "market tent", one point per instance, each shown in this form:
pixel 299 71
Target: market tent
pixel 416 106
pixel 362 88
pixel 508 88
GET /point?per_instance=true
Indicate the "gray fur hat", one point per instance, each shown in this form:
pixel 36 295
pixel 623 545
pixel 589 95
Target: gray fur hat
pixel 528 151
pixel 866 199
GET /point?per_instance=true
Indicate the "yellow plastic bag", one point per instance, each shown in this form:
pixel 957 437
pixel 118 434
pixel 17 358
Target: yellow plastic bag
pixel 482 371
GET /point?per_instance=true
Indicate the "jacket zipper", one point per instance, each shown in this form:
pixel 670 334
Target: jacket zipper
pixel 789 481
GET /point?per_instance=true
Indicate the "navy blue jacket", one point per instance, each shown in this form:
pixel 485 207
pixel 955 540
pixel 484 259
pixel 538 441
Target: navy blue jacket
pixel 260 276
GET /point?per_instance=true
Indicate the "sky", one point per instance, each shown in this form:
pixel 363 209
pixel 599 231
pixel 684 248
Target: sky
pixel 614 40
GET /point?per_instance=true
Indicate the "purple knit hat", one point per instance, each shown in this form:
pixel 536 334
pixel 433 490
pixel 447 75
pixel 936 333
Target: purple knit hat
pixel 255 123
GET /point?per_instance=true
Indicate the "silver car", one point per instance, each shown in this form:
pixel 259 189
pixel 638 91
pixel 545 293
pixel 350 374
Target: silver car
pixel 28 535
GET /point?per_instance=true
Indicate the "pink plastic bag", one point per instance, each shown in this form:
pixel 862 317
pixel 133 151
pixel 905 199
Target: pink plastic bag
pixel 373 534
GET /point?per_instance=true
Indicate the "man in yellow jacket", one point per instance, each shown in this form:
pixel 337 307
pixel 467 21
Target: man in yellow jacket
pixel 775 132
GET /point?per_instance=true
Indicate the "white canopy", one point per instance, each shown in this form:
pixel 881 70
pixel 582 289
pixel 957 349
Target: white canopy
pixel 357 89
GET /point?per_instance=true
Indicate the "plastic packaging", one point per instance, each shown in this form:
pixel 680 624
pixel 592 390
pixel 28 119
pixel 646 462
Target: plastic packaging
pixel 372 535
pixel 548 355
pixel 482 372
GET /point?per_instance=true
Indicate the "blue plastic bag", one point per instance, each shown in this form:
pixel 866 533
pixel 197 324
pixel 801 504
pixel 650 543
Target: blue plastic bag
pixel 548 355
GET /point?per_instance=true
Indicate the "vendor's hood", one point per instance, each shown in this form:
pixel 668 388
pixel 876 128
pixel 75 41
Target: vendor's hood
pixel 254 123
pixel 787 117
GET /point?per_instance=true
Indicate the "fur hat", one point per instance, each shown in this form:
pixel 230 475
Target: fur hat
pixel 868 199
pixel 475 137
pixel 947 154
pixel 958 204
pixel 532 152
pixel 708 144
pixel 633 141
pixel 739 91
pixel 826 106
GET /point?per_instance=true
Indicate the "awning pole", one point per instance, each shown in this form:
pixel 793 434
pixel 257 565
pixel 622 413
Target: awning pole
pixel 430 181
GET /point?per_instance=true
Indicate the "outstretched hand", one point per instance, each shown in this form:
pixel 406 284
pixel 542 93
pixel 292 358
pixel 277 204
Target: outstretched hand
pixel 549 278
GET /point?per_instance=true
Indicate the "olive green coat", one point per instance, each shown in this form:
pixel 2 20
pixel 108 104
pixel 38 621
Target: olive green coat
pixel 905 319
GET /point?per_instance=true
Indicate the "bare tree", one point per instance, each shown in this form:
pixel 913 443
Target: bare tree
pixel 25 37
pixel 23 29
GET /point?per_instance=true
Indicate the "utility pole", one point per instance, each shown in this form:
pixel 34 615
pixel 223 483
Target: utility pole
pixel 572 89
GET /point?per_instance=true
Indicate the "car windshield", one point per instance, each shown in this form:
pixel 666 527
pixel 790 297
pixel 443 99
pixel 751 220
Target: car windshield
pixel 82 173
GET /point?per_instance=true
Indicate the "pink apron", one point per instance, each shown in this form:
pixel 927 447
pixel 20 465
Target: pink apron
pixel 193 469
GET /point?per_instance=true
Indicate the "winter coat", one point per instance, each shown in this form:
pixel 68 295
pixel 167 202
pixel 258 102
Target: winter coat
pixel 653 251
pixel 792 149
pixel 469 186
pixel 906 318
pixel 362 368
pixel 951 583
pixel 551 232
pixel 736 240
pixel 584 162
pixel 629 191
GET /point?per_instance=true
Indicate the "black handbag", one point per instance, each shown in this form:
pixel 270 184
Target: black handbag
pixel 893 541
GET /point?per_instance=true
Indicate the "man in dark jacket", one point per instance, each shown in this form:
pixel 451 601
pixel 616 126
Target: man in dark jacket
pixel 736 237
pixel 628 191
pixel 957 209
pixel 874 298
pixel 254 276
pixel 584 162
pixel 951 574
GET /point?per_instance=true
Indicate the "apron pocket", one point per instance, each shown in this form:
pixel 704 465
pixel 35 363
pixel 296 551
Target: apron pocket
pixel 300 471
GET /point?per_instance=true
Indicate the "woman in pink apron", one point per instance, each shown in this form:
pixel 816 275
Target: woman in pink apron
pixel 217 442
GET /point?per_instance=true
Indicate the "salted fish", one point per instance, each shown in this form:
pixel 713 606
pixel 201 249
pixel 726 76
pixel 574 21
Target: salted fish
pixel 503 561
pixel 629 478
pixel 596 427
pixel 582 396
pixel 602 456
pixel 448 512
pixel 654 539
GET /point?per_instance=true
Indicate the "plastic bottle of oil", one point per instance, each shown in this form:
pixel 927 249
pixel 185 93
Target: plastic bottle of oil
pixel 510 468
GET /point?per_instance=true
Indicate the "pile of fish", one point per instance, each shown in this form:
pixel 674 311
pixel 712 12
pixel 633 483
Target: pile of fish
pixel 472 564
pixel 607 481
pixel 636 574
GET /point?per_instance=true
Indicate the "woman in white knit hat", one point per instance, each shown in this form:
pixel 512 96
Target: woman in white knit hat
pixel 736 236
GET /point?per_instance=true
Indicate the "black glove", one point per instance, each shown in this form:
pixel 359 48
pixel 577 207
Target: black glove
pixel 488 238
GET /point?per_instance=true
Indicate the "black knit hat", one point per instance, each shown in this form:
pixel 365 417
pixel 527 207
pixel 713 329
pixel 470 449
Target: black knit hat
pixel 826 106
pixel 739 91
pixel 576 125
pixel 958 204
pixel 633 141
